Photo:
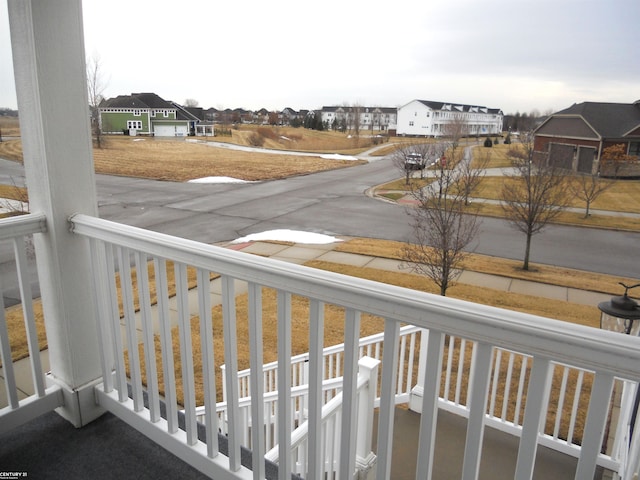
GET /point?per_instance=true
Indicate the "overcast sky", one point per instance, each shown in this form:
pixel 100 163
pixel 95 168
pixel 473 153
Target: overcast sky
pixel 516 55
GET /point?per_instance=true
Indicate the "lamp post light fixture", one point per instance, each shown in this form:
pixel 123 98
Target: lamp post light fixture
pixel 620 313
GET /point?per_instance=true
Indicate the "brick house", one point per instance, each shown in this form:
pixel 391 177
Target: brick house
pixel 576 136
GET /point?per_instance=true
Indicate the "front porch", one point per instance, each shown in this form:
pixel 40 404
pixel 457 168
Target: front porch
pixel 312 416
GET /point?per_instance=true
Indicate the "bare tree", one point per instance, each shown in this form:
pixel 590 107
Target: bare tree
pixel 442 230
pixel 414 156
pixel 588 187
pixel 472 171
pixel 191 102
pixel 535 191
pixel 95 88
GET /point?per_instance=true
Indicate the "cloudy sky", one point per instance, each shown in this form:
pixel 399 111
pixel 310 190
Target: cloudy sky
pixel 517 55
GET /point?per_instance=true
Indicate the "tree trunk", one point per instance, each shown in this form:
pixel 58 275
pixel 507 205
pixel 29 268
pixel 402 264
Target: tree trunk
pixel 527 251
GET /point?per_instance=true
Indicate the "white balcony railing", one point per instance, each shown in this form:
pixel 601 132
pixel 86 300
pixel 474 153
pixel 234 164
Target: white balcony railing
pixel 543 342
pixel 46 396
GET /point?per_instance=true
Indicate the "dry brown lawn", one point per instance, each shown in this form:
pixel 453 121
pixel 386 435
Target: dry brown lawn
pixel 9 126
pixel 179 161
pixel 334 323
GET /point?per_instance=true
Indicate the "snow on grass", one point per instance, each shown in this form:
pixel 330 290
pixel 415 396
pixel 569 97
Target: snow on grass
pixel 337 156
pixel 217 180
pixel 294 236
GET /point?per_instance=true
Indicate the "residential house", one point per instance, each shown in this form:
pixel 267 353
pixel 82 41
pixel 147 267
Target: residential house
pixel 367 118
pixel 313 416
pixel 577 135
pixel 145 114
pixel 426 118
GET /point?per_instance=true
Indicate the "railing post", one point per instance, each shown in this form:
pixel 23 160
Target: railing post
pixel 50 73
pixel 365 458
pixel 417 392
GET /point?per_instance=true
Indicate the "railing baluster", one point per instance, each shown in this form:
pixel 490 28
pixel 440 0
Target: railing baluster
pixel 231 362
pixel 560 404
pixel 166 345
pixel 507 387
pixel 186 352
pixel 208 363
pixel 142 267
pixel 461 363
pixel 534 415
pixel 29 319
pixel 477 402
pixel 595 424
pixel 521 381
pixel 387 403
pixel 256 379
pixel 103 310
pixel 284 384
pixel 409 373
pixel 7 362
pixel 349 415
pixel 115 327
pixel 447 378
pixel 316 363
pixel 403 344
pixel 575 406
pixel 429 416
pixel 495 381
pixel 126 290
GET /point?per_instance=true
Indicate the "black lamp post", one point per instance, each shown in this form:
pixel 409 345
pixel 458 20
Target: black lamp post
pixel 619 315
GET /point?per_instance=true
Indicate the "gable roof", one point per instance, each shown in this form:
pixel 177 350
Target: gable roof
pixel 459 107
pixel 137 100
pixel 609 120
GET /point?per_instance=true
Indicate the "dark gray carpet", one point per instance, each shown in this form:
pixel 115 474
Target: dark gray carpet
pixel 49 447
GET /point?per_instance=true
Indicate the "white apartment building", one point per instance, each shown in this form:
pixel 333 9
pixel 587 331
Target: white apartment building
pixel 370 118
pixel 431 119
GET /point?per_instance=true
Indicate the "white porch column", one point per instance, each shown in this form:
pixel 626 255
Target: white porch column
pixel 49 63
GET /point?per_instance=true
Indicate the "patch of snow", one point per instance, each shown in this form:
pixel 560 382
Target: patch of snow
pixel 217 180
pixel 8 205
pixel 284 138
pixel 337 156
pixel 294 236
pixel 139 140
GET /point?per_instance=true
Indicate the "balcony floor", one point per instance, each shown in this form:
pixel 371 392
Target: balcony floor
pixel 50 447
pixel 499 454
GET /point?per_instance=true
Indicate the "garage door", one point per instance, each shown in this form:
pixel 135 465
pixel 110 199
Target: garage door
pixel 170 130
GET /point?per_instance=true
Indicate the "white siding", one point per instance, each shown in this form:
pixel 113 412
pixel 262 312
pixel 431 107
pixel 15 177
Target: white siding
pixel 415 118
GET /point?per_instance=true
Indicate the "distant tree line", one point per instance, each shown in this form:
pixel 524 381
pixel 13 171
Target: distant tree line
pixel 8 112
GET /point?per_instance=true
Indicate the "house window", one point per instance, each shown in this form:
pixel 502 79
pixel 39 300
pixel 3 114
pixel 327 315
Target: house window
pixel 136 113
pixel 634 148
pixel 153 114
pixel 411 124
pixel 166 113
pixel 134 124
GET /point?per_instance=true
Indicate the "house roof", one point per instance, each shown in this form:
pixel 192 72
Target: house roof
pixel 459 107
pixel 609 120
pixel 137 100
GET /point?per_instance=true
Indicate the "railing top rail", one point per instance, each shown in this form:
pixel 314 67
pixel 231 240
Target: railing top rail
pixel 21 225
pixel 577 345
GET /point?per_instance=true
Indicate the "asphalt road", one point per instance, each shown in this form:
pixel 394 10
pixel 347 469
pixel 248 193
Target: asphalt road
pixel 334 203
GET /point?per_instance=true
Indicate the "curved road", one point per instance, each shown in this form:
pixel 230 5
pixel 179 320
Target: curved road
pixel 334 203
